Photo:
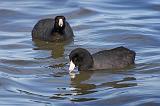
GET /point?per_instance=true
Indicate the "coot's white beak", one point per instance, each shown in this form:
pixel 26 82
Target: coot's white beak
pixel 60 23
pixel 71 66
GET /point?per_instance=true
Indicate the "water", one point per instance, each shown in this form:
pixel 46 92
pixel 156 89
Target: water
pixel 35 73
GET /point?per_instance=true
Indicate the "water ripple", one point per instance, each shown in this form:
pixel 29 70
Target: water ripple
pixel 36 72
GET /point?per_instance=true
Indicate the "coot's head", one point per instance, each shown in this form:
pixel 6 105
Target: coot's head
pixel 59 23
pixel 80 58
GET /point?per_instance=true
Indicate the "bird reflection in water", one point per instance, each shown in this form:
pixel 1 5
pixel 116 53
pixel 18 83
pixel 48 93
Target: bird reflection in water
pixel 57 49
pixel 83 84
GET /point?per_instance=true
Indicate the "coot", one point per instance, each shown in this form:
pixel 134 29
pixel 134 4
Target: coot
pixel 116 58
pixel 54 30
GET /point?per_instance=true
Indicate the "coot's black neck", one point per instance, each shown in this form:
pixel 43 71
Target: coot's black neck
pixel 58 29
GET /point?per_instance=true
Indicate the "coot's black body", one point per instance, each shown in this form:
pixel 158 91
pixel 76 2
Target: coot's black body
pixel 116 58
pixel 53 30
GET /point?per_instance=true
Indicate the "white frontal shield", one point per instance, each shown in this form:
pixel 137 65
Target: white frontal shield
pixel 60 22
pixel 71 66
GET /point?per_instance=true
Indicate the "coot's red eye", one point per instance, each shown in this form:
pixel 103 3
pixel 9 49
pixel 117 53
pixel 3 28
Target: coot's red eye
pixel 56 21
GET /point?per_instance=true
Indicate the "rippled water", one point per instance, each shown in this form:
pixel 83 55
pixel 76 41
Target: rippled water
pixel 35 73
